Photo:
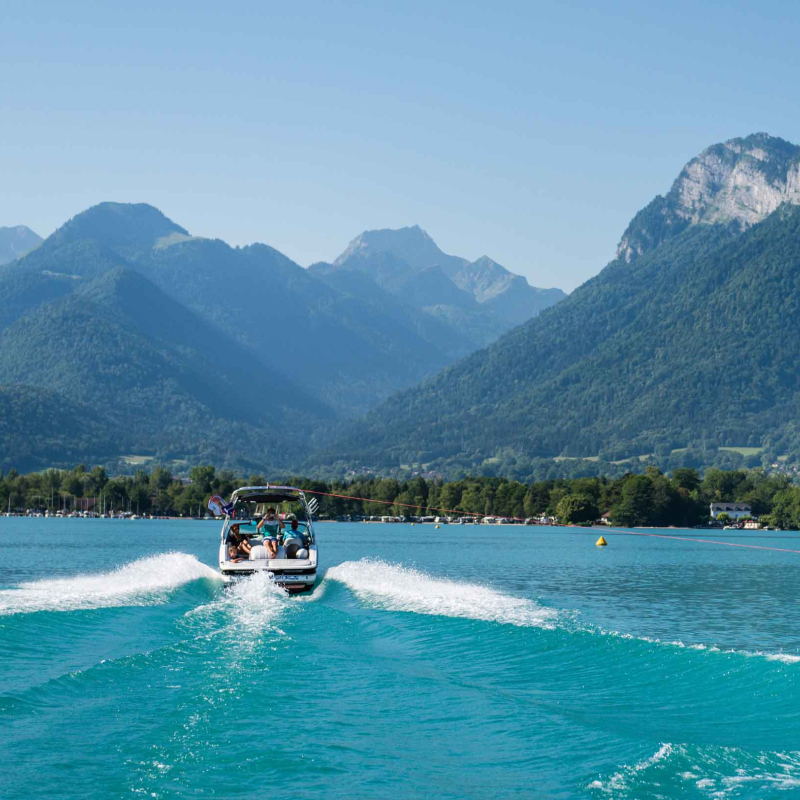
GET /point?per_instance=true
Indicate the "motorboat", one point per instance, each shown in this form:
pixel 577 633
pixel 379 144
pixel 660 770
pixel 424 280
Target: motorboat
pixel 295 565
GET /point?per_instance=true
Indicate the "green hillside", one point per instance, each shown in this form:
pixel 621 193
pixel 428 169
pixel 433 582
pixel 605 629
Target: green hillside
pixel 357 352
pixel 156 374
pixel 40 428
pixel 125 228
pixel 183 346
pixel 690 344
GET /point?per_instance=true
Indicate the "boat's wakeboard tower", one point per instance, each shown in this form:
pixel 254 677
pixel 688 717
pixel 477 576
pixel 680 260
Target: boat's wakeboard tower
pixel 295 565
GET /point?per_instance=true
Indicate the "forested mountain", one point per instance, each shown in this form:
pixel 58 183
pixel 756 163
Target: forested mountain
pixel 39 427
pixel 294 322
pixel 357 353
pixel 685 340
pixel 182 345
pixel 15 241
pixel 146 368
pixel 126 334
pixel 125 228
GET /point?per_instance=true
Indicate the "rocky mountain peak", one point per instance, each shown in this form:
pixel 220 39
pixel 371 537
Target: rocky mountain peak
pixel 485 278
pixel 736 183
pixel 407 261
pixel 15 241
pixel 412 244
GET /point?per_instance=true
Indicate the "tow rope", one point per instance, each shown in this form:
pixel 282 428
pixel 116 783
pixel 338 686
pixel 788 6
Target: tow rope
pixel 592 528
pixel 704 541
pixel 404 505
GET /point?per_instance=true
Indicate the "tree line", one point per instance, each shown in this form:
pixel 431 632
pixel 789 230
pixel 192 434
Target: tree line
pixel 681 499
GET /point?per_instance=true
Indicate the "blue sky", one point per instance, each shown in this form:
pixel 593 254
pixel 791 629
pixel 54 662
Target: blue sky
pixel 530 132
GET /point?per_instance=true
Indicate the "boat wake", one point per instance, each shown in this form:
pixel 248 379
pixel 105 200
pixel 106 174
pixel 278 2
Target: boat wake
pixel 398 588
pixel 250 606
pixel 146 581
pixel 783 658
pixel 711 771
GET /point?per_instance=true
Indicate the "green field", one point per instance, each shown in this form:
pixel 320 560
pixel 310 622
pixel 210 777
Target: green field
pixel 137 461
pixel 745 451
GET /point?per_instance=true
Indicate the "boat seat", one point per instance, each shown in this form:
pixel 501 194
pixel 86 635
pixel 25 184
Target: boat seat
pixel 294 545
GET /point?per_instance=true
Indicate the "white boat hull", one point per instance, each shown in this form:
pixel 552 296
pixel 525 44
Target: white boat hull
pixel 292 574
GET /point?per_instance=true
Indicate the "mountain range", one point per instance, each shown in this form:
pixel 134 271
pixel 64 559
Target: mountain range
pixel 124 334
pixel 161 343
pixel 480 299
pixel 684 342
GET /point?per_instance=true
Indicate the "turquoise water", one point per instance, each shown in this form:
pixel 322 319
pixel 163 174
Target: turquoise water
pixel 452 663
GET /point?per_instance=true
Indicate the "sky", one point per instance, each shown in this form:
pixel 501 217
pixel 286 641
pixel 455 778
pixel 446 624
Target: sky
pixel 528 131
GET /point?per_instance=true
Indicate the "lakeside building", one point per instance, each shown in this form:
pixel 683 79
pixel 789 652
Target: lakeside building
pixel 733 510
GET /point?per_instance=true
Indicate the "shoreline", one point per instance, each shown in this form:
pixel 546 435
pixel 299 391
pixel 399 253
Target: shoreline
pixel 491 525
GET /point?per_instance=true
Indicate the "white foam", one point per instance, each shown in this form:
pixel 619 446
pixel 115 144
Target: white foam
pixel 250 606
pixel 255 602
pixel 621 780
pixel 718 772
pixel 399 588
pixel 784 658
pixel 146 581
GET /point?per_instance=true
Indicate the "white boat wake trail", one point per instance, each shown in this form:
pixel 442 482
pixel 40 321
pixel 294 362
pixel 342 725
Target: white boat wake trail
pixel 146 581
pixel 398 588
pixel 251 605
pixel 703 771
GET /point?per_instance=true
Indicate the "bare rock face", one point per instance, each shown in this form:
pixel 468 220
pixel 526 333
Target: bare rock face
pixel 413 245
pixel 387 254
pixel 737 183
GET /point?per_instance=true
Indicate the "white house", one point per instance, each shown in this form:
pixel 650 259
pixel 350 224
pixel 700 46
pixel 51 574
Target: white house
pixel 733 510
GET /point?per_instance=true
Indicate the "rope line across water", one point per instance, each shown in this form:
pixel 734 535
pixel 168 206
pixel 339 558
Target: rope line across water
pixel 703 541
pixel 604 529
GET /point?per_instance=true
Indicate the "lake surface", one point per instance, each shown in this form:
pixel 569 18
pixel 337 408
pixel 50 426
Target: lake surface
pixel 464 662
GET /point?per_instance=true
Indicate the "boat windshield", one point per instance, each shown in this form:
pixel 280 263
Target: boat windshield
pixel 251 503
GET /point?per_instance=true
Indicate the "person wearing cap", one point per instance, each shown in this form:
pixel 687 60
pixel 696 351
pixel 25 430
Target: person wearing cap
pixel 295 540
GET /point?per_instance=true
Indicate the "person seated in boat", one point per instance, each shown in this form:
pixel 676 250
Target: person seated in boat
pixel 295 541
pixel 233 554
pixel 274 525
pixel 295 531
pixel 239 540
